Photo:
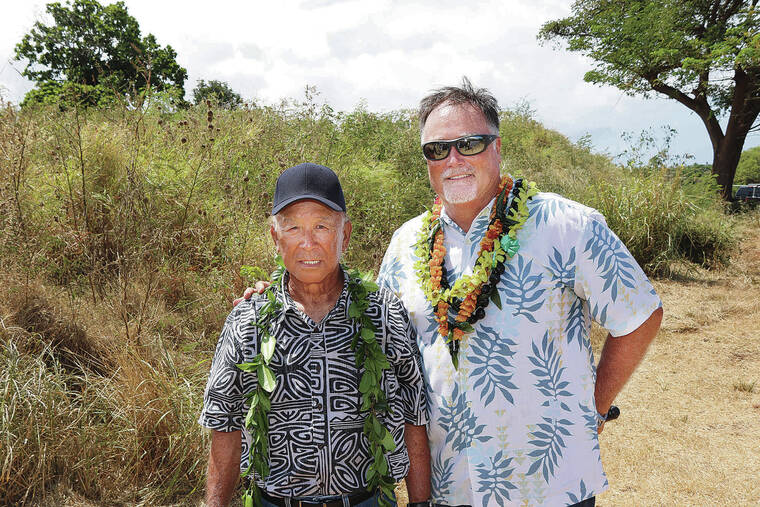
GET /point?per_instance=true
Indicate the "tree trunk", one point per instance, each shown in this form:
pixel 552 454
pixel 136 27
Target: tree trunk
pixel 744 112
pixel 725 159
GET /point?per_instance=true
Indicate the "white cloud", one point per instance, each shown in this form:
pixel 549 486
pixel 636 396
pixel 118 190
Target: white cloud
pixel 388 54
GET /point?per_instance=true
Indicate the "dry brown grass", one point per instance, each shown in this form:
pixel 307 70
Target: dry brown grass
pixel 687 435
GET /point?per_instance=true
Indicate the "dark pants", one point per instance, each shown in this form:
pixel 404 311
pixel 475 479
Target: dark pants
pixel 588 502
pixel 370 502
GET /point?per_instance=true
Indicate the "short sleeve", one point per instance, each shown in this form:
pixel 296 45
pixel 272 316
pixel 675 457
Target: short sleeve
pixel 407 364
pixel 390 268
pixel 619 295
pixel 223 399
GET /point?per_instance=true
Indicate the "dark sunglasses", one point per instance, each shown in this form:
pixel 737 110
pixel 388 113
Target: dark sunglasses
pixel 467 146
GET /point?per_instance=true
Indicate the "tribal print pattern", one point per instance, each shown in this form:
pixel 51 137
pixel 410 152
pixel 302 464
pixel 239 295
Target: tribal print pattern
pixel 316 444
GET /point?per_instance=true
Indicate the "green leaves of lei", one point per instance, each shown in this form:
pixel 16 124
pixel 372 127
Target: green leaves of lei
pixel 256 421
pixel 367 351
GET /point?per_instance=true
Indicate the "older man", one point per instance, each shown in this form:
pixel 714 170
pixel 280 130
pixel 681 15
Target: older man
pixel 501 284
pixel 346 368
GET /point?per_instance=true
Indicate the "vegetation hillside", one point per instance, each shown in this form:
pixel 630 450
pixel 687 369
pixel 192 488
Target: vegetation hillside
pixel 122 235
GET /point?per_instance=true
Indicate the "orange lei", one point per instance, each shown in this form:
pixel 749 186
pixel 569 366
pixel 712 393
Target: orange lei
pixel 495 230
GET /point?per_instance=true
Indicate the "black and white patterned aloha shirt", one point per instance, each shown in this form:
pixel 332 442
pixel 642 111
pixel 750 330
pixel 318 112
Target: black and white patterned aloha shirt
pixel 316 443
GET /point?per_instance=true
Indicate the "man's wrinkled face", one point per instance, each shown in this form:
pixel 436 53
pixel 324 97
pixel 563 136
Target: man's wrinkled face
pixel 310 237
pixel 462 181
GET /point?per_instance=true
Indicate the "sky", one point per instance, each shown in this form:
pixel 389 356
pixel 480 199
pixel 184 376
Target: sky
pixel 387 55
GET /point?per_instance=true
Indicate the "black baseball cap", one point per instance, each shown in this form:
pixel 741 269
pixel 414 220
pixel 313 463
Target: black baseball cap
pixel 308 181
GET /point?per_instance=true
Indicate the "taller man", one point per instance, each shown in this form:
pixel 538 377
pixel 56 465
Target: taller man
pixel 512 278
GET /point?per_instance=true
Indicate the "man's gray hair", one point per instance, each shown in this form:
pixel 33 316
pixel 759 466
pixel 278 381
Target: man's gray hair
pixel 479 98
pixel 274 223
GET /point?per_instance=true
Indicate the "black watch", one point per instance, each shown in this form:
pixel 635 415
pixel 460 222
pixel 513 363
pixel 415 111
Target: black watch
pixel 426 503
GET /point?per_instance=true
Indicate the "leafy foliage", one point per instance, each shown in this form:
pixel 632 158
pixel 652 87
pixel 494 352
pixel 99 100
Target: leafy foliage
pixel 218 92
pixel 640 45
pixel 704 54
pixel 748 170
pixel 98 47
pixel 68 93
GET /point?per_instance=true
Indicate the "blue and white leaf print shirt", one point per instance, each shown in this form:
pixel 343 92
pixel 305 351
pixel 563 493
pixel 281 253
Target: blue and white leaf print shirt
pixel 516 424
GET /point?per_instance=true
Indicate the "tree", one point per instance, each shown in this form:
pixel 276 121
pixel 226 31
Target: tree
pixel 703 53
pixel 218 91
pixel 748 170
pixel 99 48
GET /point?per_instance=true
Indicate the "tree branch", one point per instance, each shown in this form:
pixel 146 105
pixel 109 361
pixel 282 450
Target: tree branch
pixel 698 104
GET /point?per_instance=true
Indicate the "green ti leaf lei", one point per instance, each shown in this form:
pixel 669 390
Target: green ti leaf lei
pixel 367 351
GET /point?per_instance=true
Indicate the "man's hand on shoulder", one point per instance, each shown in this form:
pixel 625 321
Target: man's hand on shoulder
pixel 258 288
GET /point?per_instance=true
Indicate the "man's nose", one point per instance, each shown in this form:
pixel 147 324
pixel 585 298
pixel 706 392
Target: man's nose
pixel 454 158
pixel 307 239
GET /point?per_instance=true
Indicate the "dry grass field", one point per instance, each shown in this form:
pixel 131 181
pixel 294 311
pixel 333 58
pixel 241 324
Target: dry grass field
pixel 689 431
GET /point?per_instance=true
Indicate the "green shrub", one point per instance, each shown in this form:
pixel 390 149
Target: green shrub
pixel 748 170
pixel 659 223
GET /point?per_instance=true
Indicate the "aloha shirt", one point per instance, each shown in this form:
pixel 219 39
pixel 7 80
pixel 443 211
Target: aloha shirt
pixel 516 424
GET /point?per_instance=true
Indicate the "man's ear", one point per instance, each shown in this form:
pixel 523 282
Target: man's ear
pixel 347 227
pixel 275 237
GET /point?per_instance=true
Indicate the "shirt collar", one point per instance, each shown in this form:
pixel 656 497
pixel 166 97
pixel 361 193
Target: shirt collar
pixel 484 214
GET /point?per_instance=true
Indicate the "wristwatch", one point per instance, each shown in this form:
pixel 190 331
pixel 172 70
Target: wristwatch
pixel 600 418
pixel 426 503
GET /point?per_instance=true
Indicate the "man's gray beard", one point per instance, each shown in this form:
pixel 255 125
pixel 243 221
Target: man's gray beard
pixel 460 196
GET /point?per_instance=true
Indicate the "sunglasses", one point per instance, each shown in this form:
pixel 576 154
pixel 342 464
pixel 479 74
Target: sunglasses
pixel 467 146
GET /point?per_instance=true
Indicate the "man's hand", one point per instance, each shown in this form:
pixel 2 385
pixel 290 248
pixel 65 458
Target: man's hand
pixel 620 356
pixel 258 288
pixel 223 467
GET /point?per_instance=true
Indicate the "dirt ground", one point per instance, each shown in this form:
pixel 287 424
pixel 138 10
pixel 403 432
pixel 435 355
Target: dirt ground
pixel 689 432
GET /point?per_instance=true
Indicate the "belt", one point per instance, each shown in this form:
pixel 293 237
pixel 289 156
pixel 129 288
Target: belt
pixel 295 502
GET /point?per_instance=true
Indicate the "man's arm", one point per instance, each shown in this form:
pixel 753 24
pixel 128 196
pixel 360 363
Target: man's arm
pixel 223 467
pixel 418 479
pixel 620 356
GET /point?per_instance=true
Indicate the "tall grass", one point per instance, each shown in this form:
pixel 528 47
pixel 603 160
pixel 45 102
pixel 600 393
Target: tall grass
pixel 122 233
pixel 117 433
